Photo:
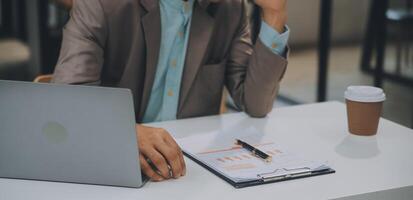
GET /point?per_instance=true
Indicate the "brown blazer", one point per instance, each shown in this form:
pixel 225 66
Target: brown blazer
pixel 116 43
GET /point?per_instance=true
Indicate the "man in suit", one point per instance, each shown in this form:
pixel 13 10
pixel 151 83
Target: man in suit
pixel 176 56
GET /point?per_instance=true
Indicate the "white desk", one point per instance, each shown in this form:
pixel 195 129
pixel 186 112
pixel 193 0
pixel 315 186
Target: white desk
pixel 318 131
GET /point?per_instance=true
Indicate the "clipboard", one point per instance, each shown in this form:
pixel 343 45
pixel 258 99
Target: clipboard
pixel 219 153
pixel 265 179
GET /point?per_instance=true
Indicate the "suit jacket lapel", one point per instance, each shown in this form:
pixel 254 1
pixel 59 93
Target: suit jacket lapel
pixel 202 26
pixel 151 23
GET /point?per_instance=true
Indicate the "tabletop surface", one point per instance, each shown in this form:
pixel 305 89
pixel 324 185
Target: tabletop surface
pixel 315 131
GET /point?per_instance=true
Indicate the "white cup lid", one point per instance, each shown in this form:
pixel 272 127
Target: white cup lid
pixel 365 94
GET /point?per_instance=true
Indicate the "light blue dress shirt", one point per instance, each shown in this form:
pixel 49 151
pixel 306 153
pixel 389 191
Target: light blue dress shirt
pixel 273 39
pixel 175 25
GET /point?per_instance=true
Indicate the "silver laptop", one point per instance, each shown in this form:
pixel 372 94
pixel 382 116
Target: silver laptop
pixel 66 133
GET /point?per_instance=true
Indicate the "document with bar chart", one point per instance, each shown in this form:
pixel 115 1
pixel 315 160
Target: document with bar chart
pixel 218 152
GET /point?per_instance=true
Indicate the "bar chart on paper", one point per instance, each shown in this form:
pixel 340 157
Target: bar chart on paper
pixel 237 158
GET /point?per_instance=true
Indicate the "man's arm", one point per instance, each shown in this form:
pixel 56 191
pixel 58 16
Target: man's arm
pixel 84 36
pixel 254 72
pixel 81 61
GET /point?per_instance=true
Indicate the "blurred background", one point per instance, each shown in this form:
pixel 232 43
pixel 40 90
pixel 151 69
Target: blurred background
pixel 334 44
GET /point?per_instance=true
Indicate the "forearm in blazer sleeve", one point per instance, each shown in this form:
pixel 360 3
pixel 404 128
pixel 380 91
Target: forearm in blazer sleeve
pixel 254 73
pixel 84 36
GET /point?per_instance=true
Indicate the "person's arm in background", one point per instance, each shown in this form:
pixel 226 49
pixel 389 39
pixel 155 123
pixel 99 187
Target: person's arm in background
pixel 254 71
pixel 80 62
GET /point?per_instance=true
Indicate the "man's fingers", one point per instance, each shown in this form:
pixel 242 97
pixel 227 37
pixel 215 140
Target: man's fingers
pixel 171 142
pixel 183 165
pixel 172 156
pixel 147 169
pixel 158 160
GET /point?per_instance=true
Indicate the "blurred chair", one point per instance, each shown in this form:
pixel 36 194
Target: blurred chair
pixel 223 109
pixel 14 58
pixel 397 21
pixel 402 20
pixel 43 78
pixel 15 53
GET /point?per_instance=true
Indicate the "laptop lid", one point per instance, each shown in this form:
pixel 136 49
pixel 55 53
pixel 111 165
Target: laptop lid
pixel 68 133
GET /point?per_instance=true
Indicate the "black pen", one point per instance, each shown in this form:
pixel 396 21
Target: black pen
pixel 256 152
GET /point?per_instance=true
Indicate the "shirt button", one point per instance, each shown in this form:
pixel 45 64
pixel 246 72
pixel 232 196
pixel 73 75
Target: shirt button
pixel 273 45
pixel 186 6
pixel 181 34
pixel 173 63
pixel 170 93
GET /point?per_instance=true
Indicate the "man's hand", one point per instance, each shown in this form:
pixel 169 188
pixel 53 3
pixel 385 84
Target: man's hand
pixel 274 13
pixel 160 148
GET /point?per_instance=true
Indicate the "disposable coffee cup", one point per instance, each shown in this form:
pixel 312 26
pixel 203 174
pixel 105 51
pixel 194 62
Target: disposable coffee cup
pixel 364 106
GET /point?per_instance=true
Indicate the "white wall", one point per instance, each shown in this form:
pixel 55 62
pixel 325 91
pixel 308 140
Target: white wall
pixel 349 18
